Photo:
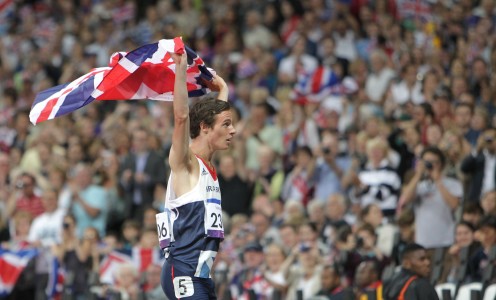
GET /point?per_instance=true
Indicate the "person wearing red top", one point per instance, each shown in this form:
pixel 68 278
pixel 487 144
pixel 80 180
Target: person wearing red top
pixel 25 199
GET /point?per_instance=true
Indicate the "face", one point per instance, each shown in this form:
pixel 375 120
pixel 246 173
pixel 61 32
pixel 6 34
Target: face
pixel 316 214
pixel 140 141
pixel 153 275
pixel 419 114
pixel 376 154
pixel 274 257
pixel 220 136
pixel 334 208
pixel 227 166
pixel 463 236
pixel 261 224
pixel 27 185
pixel 329 279
pixel 374 217
pixel 149 218
pixel 69 225
pixel 441 107
pixel 306 234
pixel 488 236
pixel 364 274
pixel 83 177
pixel 463 115
pixel 434 134
pixel 288 236
pixel 418 262
pixel 488 203
pixel 90 235
pixel 127 277
pixel 49 201
pixel 4 163
pixel 368 239
pixel 253 259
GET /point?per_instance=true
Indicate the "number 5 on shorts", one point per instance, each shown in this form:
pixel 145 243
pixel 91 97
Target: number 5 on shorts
pixel 183 287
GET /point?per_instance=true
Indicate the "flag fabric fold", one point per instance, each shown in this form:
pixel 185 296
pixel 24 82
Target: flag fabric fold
pixel 147 72
pixel 110 264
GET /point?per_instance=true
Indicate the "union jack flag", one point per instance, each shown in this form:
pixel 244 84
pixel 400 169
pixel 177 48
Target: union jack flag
pixel 316 86
pixel 12 263
pixel 144 73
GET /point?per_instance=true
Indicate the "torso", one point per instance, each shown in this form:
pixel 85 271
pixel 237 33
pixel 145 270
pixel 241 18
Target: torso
pixel 193 246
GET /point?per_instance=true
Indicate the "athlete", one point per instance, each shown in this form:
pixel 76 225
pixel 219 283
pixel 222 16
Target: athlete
pixel 190 230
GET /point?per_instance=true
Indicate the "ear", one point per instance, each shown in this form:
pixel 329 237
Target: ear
pixel 203 127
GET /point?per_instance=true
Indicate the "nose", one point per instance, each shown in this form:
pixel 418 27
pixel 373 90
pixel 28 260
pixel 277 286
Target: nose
pixel 233 130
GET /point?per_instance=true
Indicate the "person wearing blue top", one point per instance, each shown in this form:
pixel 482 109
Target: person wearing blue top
pixel 88 201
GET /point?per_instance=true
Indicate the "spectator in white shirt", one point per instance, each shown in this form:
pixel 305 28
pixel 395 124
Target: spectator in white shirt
pixel 378 81
pixel 297 63
pixel 46 229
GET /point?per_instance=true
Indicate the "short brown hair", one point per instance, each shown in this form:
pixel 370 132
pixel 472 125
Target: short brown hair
pixel 205 111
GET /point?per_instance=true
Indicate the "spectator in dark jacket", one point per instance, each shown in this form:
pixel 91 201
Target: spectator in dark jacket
pixel 411 282
pixel 481 165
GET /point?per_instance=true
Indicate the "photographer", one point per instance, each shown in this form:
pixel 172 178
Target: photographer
pixel 480 165
pixel 435 198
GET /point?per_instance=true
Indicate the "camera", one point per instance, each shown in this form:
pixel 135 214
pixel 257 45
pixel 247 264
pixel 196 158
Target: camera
pixel 359 242
pixel 304 247
pixel 428 165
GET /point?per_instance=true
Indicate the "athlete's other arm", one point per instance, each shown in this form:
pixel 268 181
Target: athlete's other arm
pixel 179 158
pixel 218 85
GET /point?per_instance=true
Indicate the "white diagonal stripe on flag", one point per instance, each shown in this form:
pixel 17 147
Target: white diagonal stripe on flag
pixel 128 65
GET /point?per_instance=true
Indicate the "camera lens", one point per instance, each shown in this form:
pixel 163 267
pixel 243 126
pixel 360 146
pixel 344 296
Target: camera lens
pixel 428 165
pixel 326 150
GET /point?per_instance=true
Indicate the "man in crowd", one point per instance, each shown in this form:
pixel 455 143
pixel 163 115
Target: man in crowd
pixel 141 171
pixel 412 281
pixel 481 166
pixel 435 198
pixel 25 199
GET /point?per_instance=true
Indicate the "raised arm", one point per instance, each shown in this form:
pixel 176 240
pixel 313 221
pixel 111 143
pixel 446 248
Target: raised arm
pixel 218 85
pixel 179 158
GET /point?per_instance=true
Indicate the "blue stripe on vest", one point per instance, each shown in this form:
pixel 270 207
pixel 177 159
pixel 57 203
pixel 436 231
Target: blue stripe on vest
pixel 213 200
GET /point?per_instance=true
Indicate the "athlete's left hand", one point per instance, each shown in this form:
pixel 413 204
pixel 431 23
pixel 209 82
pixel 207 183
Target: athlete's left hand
pixel 216 84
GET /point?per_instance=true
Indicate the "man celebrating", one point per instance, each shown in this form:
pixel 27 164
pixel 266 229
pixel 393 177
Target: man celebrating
pixel 193 193
pixel 411 282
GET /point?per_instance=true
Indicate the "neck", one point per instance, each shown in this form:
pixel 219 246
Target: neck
pixel 202 150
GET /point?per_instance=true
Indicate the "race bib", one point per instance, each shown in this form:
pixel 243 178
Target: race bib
pixel 213 221
pixel 183 287
pixel 163 229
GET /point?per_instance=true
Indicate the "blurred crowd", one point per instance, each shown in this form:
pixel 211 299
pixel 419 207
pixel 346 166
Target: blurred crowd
pixel 362 126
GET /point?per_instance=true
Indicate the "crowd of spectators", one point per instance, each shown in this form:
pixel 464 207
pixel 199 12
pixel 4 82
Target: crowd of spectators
pixel 362 126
